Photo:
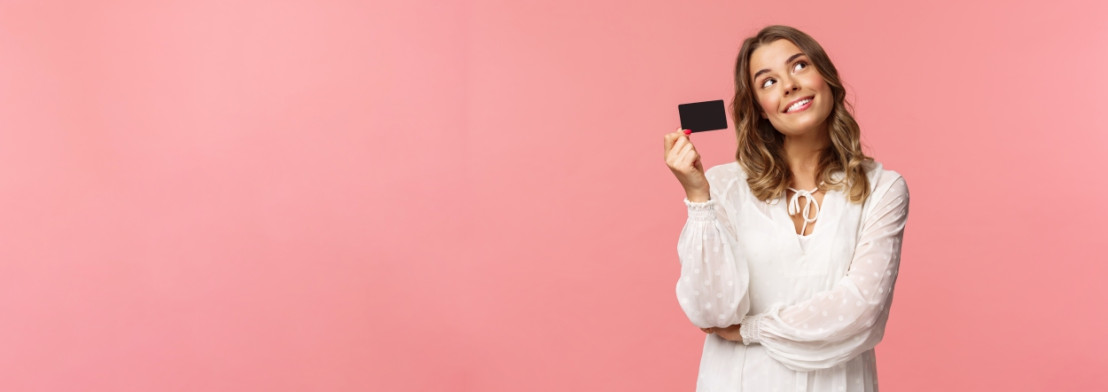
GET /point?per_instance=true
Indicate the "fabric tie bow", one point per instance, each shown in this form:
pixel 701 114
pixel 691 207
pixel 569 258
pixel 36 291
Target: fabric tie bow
pixel 809 201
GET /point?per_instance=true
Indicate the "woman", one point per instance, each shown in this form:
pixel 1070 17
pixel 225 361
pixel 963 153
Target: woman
pixel 790 253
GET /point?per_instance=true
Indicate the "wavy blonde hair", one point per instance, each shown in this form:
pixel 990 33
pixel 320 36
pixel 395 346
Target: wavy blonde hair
pixel 761 151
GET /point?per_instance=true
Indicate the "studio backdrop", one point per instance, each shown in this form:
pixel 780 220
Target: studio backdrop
pixel 471 196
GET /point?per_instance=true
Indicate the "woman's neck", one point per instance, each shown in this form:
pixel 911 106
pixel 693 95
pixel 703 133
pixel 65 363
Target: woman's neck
pixel 802 153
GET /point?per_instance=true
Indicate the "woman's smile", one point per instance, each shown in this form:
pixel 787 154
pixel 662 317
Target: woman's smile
pixel 799 105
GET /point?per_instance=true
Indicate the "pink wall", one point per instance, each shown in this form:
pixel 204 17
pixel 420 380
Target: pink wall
pixel 428 195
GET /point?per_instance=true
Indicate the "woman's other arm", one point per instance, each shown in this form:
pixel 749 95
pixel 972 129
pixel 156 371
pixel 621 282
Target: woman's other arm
pixel 836 325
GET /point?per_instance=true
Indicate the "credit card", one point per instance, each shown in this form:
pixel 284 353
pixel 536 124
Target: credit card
pixel 703 116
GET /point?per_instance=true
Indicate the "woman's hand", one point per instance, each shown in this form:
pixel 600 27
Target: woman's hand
pixel 730 333
pixel 684 162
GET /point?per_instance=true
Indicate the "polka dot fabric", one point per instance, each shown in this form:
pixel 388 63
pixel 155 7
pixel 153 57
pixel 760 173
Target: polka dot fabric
pixel 712 289
pixel 812 308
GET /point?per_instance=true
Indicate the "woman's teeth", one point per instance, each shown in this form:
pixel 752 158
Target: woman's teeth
pixel 798 104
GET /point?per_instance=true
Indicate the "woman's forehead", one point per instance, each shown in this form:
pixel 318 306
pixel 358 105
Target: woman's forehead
pixel 772 55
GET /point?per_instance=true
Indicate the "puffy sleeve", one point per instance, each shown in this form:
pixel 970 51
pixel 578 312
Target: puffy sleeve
pixel 836 325
pixel 712 288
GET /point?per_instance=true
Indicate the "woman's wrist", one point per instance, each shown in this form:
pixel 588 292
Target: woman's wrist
pixel 750 329
pixel 697 195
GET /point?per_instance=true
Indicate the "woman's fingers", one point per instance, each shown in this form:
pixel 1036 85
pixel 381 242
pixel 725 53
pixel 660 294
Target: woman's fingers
pixel 688 156
pixel 679 143
pixel 683 149
pixel 691 159
pixel 676 155
pixel 671 138
pixel 684 161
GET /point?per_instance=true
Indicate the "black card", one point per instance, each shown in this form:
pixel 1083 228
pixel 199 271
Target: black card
pixel 703 116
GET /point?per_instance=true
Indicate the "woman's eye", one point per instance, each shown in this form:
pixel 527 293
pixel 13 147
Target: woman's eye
pixel 800 65
pixel 767 82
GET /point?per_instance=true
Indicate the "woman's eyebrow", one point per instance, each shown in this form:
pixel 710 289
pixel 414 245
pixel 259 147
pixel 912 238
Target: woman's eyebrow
pixel 791 58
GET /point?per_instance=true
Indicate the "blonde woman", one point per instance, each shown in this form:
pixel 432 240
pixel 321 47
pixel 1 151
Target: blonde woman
pixel 790 253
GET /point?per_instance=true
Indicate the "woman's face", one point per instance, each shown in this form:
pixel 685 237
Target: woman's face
pixel 790 91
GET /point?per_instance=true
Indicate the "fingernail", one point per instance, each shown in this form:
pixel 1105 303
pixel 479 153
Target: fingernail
pixel 688 131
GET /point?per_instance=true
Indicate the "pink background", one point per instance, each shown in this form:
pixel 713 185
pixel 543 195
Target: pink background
pixel 470 196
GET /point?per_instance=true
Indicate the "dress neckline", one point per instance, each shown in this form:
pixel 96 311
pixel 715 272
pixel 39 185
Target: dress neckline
pixel 805 213
pixel 802 241
pixel 793 206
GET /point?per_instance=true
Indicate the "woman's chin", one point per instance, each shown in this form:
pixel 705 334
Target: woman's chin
pixel 801 132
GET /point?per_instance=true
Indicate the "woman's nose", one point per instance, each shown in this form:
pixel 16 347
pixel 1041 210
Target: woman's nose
pixel 790 85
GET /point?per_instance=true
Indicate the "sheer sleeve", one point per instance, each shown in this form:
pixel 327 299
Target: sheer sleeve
pixel 712 288
pixel 838 324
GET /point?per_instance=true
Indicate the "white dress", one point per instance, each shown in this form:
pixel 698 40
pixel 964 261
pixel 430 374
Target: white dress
pixel 813 307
